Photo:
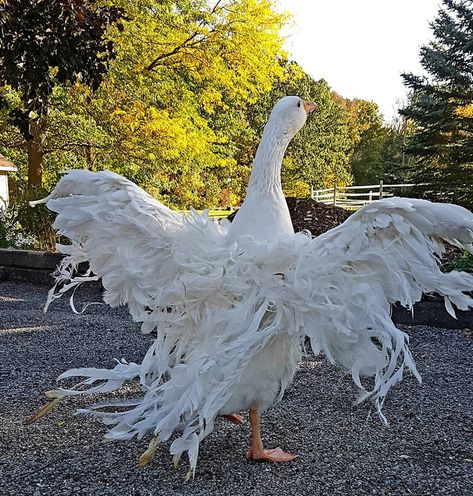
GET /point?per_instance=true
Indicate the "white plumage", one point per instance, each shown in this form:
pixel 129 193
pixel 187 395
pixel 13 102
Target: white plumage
pixel 231 303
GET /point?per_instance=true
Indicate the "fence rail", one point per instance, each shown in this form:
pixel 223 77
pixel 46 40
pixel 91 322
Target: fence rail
pixel 350 198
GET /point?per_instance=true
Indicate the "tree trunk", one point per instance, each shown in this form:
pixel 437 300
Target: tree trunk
pixel 88 157
pixel 35 154
pixel 88 148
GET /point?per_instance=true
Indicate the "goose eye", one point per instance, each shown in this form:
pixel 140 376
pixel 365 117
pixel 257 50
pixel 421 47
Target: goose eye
pixel 299 104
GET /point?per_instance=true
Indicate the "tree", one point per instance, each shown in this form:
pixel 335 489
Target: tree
pixel 398 166
pixel 182 70
pixel 319 154
pixel 323 149
pixel 367 160
pixel 44 44
pixel 178 66
pixel 440 106
pixel 152 118
pixel 367 135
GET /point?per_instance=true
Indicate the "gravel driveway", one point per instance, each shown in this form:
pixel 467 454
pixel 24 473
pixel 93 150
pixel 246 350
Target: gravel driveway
pixel 427 450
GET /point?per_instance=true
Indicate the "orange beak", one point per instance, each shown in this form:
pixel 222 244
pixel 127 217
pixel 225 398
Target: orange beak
pixel 309 107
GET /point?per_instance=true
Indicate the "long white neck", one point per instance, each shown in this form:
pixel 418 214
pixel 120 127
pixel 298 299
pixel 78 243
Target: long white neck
pixel 266 172
pixel 264 213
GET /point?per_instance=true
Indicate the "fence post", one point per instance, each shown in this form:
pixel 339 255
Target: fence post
pixel 335 193
pixel 370 197
pixel 380 189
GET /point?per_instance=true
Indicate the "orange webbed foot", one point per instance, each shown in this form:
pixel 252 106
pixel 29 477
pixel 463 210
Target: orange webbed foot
pixel 275 455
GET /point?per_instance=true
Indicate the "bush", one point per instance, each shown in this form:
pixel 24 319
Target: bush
pixel 463 263
pixel 24 227
pixel 8 227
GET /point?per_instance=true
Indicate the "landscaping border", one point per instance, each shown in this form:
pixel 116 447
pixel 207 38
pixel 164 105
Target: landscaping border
pixel 28 266
pixel 37 267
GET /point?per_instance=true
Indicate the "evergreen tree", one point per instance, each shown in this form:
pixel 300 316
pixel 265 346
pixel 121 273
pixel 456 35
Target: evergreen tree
pixel 441 107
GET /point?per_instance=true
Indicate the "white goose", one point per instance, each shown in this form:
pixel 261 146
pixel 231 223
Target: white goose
pixel 230 304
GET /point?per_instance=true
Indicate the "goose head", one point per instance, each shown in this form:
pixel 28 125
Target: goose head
pixel 289 116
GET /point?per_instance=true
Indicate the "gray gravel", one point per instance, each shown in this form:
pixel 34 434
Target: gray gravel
pixel 427 450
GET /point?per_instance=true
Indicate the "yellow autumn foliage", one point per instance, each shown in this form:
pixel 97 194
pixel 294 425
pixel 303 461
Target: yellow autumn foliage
pixel 178 65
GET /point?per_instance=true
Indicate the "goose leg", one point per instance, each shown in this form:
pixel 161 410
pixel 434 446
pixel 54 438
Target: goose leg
pixel 256 452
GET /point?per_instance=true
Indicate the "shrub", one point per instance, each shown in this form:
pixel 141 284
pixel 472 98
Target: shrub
pixel 463 263
pixel 24 227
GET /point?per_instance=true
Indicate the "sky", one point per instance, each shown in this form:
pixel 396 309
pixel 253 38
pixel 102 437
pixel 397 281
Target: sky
pixel 360 47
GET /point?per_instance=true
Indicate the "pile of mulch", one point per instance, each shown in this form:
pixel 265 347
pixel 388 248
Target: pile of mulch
pixel 451 254
pixel 311 215
pixel 314 216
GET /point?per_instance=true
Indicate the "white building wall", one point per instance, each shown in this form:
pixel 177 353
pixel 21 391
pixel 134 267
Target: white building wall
pixel 3 189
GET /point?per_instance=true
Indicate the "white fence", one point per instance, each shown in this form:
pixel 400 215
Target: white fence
pixel 355 197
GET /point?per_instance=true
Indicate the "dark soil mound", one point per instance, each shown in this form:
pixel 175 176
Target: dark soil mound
pixel 314 216
pixel 311 215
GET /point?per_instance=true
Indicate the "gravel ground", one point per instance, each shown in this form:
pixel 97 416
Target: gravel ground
pixel 427 450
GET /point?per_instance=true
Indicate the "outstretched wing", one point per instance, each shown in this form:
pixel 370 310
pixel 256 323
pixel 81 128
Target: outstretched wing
pixel 345 281
pixel 147 256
